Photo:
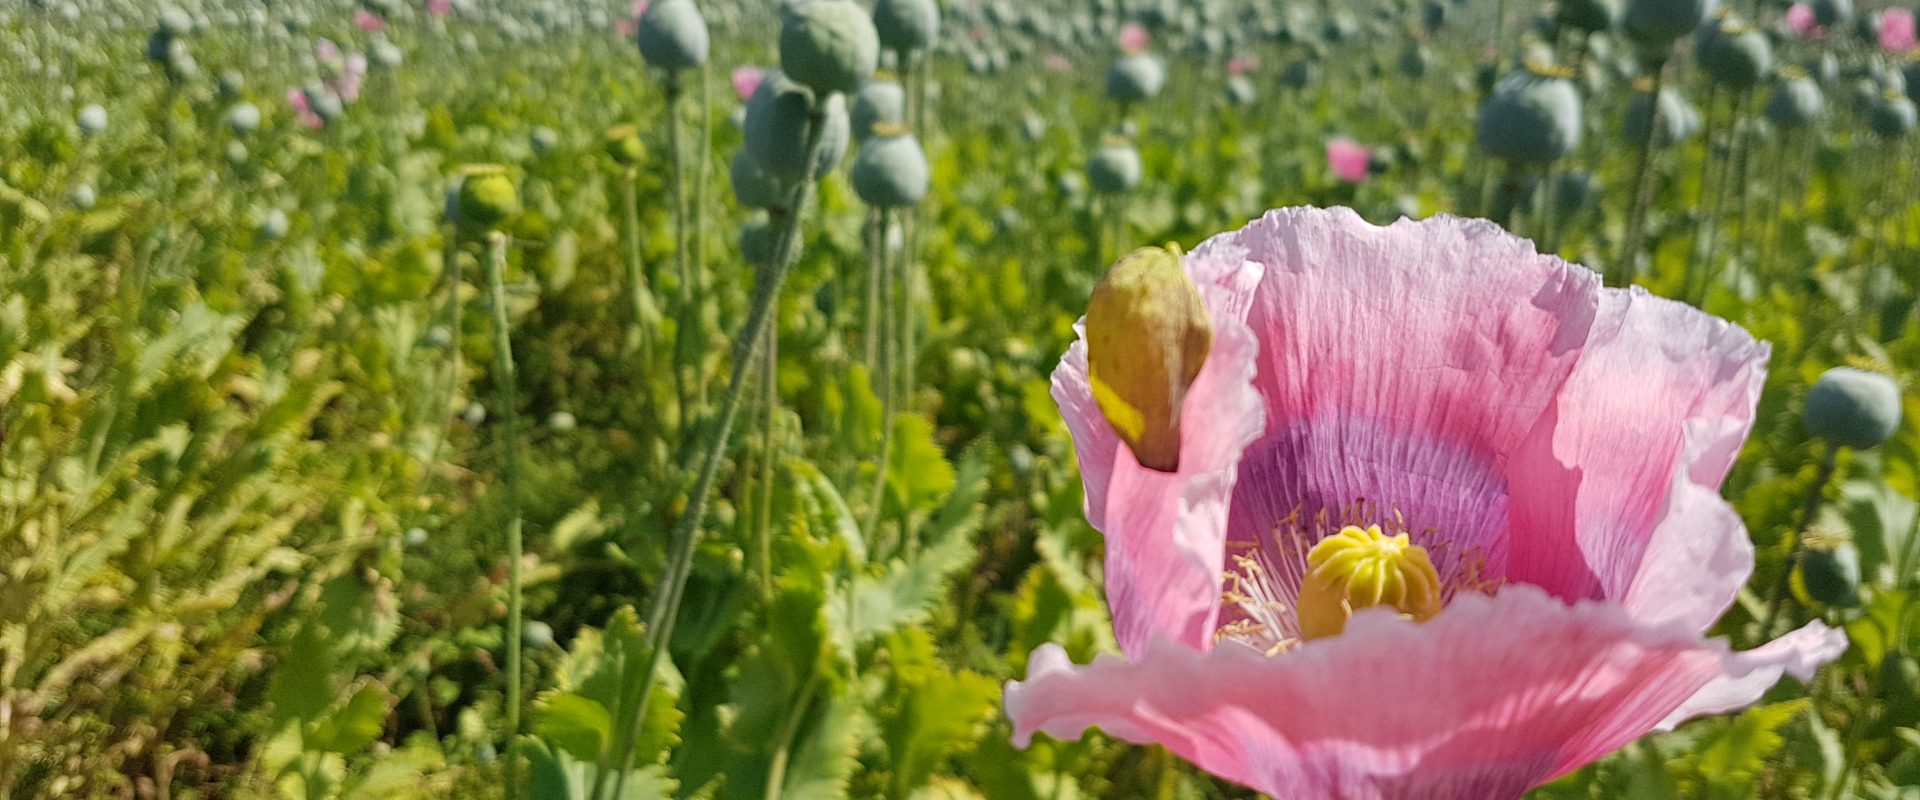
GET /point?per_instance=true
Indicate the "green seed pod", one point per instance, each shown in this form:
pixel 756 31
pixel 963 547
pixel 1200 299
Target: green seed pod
pixel 779 120
pixel 1912 76
pixel 1831 574
pixel 752 186
pixel 624 147
pixel 1893 117
pixel 244 119
pixel 828 45
pixel 486 198
pixel 325 104
pixel 672 35
pixel 756 241
pixel 1135 78
pixel 1736 56
pixel 1300 74
pixel 82 197
pixel 906 26
pixel 1676 117
pixel 1148 335
pixel 836 133
pixel 1115 167
pixel 386 55
pixel 92 119
pixel 1796 102
pixel 174 23
pixel 272 225
pixel 232 83
pixel 880 101
pixel 1532 117
pixel 1240 91
pixel 1589 15
pixel 536 634
pixel 1832 14
pixel 543 140
pixel 890 170
pixel 1853 408
pixel 236 153
pixel 1415 60
pixel 1657 24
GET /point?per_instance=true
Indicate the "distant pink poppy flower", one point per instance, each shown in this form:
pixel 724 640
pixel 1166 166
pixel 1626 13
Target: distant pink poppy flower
pixel 626 28
pixel 1133 38
pixel 440 8
pixel 1553 445
pixel 1241 65
pixel 1897 30
pixel 303 109
pixel 1057 63
pixel 639 8
pixel 368 21
pixel 745 80
pixel 1347 159
pixel 325 50
pixel 1800 18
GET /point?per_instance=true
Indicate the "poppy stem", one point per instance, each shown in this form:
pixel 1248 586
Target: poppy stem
pixel 1777 598
pixel 1643 183
pixel 510 432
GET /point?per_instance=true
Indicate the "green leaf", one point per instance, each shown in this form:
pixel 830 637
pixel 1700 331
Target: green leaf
pixel 918 474
pixel 353 726
pixel 822 764
pixel 1734 755
pixel 575 724
pixel 302 685
pixel 941 714
pixel 788 652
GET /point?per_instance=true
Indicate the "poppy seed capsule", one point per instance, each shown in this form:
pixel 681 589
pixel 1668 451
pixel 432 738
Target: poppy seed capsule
pixel 1853 408
pixel 1532 117
pixel 1589 15
pixel 1135 78
pixel 1115 167
pixel 1736 56
pixel 1893 117
pixel 244 119
pixel 1832 13
pixel 756 240
pixel 486 198
pixel 829 46
pixel 1831 573
pixel 543 140
pixel 1657 24
pixel 890 171
pixel 174 23
pixel 1148 335
pixel 906 25
pixel 92 119
pixel 1796 102
pixel 672 35
pixel 780 120
pixel 752 186
pixel 272 225
pixel 880 101
pixel 1676 117
pixel 82 197
pixel 624 147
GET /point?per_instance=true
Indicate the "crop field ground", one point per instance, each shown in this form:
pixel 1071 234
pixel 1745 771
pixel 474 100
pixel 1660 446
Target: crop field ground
pixel 475 399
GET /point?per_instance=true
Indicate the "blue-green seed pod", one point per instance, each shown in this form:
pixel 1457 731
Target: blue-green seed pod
pixel 1736 56
pixel 1415 60
pixel 1657 24
pixel 779 116
pixel 272 225
pixel 325 104
pixel 752 186
pixel 235 152
pixel 906 25
pixel 1796 102
pixel 1589 15
pixel 1115 167
pixel 1853 408
pixel 486 198
pixel 1241 91
pixel 1532 117
pixel 1824 68
pixel 82 197
pixel 232 83
pixel 1893 117
pixel 829 46
pixel 880 101
pixel 174 23
pixel 386 55
pixel 756 240
pixel 672 35
pixel 836 133
pixel 244 119
pixel 890 171
pixel 1831 14
pixel 1677 117
pixel 1300 73
pixel 543 140
pixel 1033 127
pixel 1831 574
pixel 1135 78
pixel 537 635
pixel 1912 76
pixel 92 119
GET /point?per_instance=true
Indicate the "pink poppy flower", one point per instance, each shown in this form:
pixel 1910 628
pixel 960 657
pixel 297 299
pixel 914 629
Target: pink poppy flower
pixel 626 28
pixel 1241 65
pixel 1057 64
pixel 1133 38
pixel 745 80
pixel 1800 18
pixel 1897 30
pixel 368 21
pixel 303 109
pixel 1347 159
pixel 1550 448
pixel 440 8
pixel 639 8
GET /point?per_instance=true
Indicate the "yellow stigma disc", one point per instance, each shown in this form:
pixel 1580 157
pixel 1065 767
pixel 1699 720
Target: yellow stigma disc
pixel 1358 568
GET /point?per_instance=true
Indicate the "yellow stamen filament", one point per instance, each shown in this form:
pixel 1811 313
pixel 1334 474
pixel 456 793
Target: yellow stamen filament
pixel 1360 568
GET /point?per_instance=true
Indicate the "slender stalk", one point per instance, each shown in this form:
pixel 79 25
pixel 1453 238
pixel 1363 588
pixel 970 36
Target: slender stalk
pixel 686 348
pixel 668 594
pixel 1776 195
pixel 697 244
pixel 770 402
pixel 1729 172
pixel 789 728
pixel 884 384
pixel 870 312
pixel 1643 185
pixel 1778 596
pixel 510 425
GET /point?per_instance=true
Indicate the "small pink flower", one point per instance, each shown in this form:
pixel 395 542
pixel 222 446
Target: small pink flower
pixel 368 21
pixel 440 8
pixel 1800 18
pixel 639 8
pixel 1057 63
pixel 626 28
pixel 303 109
pixel 1241 65
pixel 1897 30
pixel 326 51
pixel 1133 38
pixel 1555 446
pixel 1347 159
pixel 745 80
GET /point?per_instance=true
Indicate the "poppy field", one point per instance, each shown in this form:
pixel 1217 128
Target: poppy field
pixel 947 399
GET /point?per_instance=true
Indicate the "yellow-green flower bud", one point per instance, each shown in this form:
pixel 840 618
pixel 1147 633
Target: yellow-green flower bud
pixel 1148 335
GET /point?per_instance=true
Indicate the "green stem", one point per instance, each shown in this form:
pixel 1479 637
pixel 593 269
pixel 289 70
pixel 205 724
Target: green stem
pixel 1778 596
pixel 697 243
pixel 770 400
pixel 510 424
pixel 789 728
pixel 1643 184
pixel 883 384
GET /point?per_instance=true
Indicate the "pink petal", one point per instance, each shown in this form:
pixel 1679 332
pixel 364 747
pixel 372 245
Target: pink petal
pixel 1399 366
pixel 1632 451
pixel 439 8
pixel 1348 160
pixel 1748 675
pixel 367 21
pixel 1800 18
pixel 745 80
pixel 1133 37
pixel 1165 531
pixel 326 50
pixel 1897 30
pixel 1511 691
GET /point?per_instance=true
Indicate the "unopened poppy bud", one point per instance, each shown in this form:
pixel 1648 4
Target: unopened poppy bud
pixel 829 46
pixel 1854 408
pixel 1148 334
pixel 672 35
pixel 486 198
pixel 891 170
